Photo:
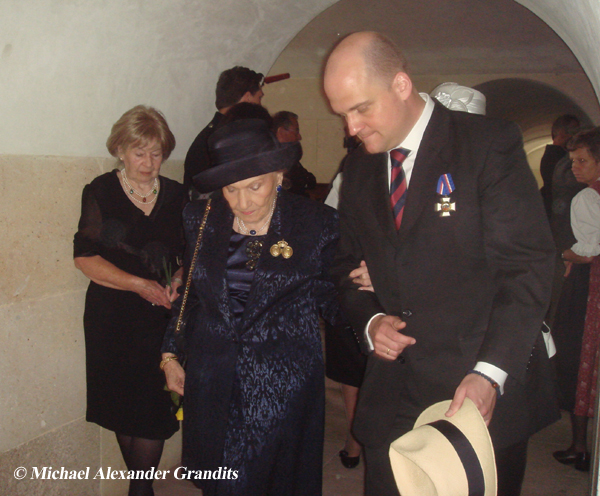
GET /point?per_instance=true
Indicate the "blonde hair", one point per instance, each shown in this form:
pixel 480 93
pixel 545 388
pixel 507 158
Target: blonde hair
pixel 138 126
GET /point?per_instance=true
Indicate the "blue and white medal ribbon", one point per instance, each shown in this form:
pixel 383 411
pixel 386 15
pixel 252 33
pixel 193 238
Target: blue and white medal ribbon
pixel 445 185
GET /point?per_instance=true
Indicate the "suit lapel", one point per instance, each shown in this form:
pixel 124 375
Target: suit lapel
pixel 214 261
pixel 379 192
pixel 433 159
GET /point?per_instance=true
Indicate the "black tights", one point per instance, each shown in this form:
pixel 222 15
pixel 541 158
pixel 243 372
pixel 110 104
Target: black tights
pixel 140 454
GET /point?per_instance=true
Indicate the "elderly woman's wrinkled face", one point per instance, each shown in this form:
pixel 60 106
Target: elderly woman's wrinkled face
pixel 585 168
pixel 142 161
pixel 251 199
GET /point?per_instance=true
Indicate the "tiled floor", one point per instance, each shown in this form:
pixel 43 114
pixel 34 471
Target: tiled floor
pixel 544 475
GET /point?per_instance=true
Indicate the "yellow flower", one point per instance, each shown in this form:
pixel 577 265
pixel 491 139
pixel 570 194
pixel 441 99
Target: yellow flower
pixel 179 413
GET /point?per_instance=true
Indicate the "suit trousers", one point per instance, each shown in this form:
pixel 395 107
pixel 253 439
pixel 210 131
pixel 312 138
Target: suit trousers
pixel 510 467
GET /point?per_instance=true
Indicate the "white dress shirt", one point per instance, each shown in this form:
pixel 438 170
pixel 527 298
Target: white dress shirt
pixel 585 221
pixel 412 142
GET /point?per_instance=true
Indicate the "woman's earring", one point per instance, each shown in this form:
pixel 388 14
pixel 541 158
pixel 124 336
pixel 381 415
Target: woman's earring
pixel 279 188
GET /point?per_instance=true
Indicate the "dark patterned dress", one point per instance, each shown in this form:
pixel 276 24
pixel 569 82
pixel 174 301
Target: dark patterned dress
pixel 254 388
pixel 123 331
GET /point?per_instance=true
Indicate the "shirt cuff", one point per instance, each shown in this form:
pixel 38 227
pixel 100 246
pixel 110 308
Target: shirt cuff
pixel 494 372
pixel 367 337
pixel 586 249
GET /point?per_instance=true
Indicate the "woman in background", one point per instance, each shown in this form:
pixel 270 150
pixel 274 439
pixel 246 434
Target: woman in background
pixel 128 244
pixel 584 150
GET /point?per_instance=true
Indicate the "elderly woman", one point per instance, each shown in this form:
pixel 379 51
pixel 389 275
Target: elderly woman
pixel 128 243
pixel 584 151
pixel 253 381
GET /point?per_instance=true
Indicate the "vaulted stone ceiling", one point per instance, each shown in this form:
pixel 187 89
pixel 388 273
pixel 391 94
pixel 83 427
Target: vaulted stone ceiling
pixel 439 37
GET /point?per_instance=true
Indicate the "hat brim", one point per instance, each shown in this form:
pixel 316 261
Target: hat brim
pixel 281 158
pixel 424 472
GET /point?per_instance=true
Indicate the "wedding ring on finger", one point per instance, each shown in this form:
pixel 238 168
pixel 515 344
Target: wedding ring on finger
pixel 388 351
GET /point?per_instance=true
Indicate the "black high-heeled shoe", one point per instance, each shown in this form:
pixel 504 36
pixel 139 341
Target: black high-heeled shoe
pixel 566 457
pixel 579 459
pixel 582 462
pixel 348 461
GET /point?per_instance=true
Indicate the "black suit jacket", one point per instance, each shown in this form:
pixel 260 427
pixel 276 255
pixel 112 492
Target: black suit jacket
pixel 197 158
pixel 473 286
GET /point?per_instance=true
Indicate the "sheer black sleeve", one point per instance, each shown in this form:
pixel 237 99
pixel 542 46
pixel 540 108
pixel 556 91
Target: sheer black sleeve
pixel 86 242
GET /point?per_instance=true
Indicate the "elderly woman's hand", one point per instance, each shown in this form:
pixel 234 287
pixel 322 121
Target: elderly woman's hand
pixel 361 277
pixel 175 375
pixel 152 292
pixel 176 281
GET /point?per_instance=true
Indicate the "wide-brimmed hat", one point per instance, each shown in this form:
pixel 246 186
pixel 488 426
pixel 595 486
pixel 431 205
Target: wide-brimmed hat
pixel 457 97
pixel 243 149
pixel 445 456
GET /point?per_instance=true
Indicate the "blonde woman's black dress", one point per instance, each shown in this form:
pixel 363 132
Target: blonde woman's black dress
pixel 124 332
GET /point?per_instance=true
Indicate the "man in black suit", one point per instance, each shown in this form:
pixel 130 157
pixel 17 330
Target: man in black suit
pixel 563 129
pixel 461 264
pixel 235 85
pixel 287 130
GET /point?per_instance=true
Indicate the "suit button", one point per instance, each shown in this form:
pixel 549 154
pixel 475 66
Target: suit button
pixel 406 313
pixel 400 359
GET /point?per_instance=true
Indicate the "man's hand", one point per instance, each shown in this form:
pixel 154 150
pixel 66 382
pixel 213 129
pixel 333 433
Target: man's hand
pixel 480 391
pixel 388 342
pixel 568 266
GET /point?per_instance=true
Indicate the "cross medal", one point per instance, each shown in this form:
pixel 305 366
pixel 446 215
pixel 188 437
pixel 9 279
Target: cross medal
pixel 445 187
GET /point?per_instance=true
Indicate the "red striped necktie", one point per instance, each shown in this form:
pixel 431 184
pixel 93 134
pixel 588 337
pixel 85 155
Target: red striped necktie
pixel 398 184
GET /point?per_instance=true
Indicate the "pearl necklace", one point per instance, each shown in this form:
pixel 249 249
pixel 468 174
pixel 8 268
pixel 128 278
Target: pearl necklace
pixel 244 230
pixel 154 190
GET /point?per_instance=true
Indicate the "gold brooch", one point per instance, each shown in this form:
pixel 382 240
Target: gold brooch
pixel 282 248
pixel 253 249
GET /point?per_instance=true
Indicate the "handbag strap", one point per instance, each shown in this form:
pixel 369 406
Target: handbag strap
pixel 192 265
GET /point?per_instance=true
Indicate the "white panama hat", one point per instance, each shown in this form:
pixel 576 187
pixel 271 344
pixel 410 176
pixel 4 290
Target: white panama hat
pixel 462 98
pixel 445 456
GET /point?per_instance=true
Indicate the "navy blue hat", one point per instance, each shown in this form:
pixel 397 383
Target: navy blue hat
pixel 243 149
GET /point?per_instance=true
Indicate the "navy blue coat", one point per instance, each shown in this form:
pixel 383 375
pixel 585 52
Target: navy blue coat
pixel 254 393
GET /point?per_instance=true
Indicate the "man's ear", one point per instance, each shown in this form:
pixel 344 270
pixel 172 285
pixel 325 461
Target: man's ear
pixel 280 134
pixel 246 98
pixel 402 85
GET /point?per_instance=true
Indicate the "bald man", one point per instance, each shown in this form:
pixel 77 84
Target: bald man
pixel 445 211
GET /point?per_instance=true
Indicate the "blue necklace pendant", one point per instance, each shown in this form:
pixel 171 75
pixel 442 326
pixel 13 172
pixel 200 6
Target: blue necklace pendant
pixel 252 232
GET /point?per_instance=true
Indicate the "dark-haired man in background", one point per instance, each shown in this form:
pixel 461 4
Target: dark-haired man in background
pixel 235 85
pixel 563 129
pixel 287 129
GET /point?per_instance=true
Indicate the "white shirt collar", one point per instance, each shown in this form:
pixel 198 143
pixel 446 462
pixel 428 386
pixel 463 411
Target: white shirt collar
pixel 413 140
